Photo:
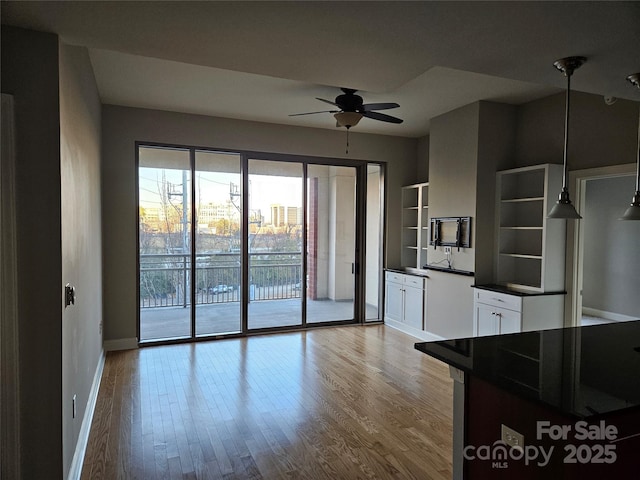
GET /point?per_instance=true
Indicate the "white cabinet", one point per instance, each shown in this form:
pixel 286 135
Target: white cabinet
pixel 415 225
pixel 394 301
pixel 492 320
pixel 530 248
pixel 500 312
pixel 414 304
pixel 405 300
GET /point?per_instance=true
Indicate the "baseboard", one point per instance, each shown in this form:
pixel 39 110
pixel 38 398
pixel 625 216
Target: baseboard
pixel 120 344
pixel 420 334
pixel 83 438
pixel 616 317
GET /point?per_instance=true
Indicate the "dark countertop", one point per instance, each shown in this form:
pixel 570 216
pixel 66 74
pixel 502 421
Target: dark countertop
pixel 520 293
pixel 581 371
pixel 454 271
pixel 419 272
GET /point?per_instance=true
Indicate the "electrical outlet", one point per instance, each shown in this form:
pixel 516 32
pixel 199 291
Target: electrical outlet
pixel 73 403
pixel 512 438
pixel 447 250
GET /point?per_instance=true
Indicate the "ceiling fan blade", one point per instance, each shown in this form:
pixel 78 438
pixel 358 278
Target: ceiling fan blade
pixel 381 116
pixel 313 113
pixel 328 101
pixel 368 107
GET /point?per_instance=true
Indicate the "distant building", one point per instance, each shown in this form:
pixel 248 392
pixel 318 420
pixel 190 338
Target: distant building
pixel 282 216
pixel 212 212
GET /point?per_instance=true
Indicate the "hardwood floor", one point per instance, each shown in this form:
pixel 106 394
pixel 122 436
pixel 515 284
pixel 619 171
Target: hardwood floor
pixel 331 403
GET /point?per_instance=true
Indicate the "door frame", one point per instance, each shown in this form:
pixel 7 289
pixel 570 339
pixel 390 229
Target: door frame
pixel 575 236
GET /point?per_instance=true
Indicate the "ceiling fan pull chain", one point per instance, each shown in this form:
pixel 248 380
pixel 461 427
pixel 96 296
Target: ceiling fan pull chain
pixel 347 151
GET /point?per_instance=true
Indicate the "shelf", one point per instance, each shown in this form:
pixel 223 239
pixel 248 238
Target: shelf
pixel 525 199
pixel 414 232
pixel 521 228
pixel 529 250
pixel 522 255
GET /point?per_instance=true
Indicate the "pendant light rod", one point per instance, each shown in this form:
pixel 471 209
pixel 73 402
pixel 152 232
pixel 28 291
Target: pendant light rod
pixel 634 79
pixel 567 66
pixel 638 158
pixel 633 212
pixel 567 110
pixel 563 207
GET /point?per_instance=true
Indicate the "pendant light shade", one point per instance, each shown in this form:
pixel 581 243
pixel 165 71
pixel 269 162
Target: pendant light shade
pixel 633 212
pixel 564 208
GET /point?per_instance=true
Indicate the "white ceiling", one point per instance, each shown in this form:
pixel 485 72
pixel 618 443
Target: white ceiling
pixel 265 60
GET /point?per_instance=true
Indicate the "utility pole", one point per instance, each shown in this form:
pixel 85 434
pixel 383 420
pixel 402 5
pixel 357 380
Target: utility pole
pixel 185 233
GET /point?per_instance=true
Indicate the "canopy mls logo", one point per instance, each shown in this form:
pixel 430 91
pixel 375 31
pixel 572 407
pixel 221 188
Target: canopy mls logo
pixel 586 450
pixel 499 453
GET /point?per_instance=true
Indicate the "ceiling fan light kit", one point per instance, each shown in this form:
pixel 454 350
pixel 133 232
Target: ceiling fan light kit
pixel 633 212
pixel 563 207
pixel 347 119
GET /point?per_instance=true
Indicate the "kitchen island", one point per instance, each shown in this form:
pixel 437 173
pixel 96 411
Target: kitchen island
pixel 560 403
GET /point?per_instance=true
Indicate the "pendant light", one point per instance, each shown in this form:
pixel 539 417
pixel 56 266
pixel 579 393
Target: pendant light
pixel 633 212
pixel 563 207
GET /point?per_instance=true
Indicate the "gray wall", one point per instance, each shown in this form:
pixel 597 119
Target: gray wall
pixel 599 134
pixel 81 237
pixel 467 147
pixel 453 155
pixel 611 272
pixel 422 161
pixel 30 73
pixel 496 151
pixel 59 240
pixel 121 127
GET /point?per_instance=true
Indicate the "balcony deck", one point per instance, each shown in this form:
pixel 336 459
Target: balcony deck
pixel 220 318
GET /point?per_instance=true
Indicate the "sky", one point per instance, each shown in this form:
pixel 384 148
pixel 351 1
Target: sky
pixel 214 188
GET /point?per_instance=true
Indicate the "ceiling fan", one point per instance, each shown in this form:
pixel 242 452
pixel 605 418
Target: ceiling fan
pixel 352 109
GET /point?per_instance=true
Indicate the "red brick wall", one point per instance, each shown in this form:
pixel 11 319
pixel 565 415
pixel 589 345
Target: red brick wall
pixel 312 240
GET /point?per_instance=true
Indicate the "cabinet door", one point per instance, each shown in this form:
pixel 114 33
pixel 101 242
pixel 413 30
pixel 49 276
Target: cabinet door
pixel 394 301
pixel 510 321
pixel 413 306
pixel 486 320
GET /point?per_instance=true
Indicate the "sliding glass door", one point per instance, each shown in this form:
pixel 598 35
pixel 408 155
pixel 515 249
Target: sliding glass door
pixel 274 241
pixel 331 242
pixel 230 244
pixel 164 192
pixel 218 259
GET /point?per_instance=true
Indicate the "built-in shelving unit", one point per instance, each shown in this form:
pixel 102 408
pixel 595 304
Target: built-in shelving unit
pixel 415 225
pixel 530 247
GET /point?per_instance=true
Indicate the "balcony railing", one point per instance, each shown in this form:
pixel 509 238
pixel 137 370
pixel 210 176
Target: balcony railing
pixel 165 279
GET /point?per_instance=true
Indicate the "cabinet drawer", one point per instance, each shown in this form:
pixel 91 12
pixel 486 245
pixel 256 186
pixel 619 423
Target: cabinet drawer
pixel 501 300
pixel 394 277
pixel 414 281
